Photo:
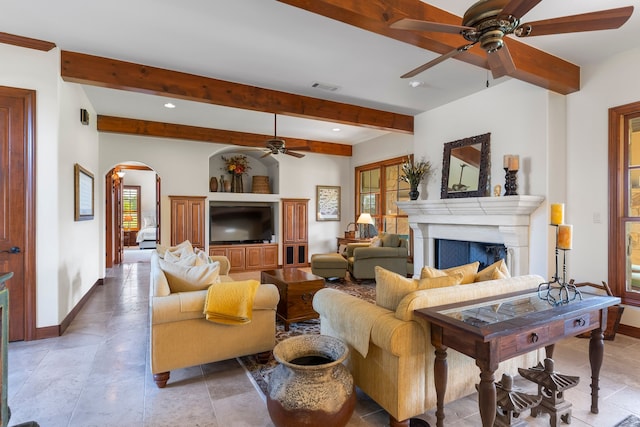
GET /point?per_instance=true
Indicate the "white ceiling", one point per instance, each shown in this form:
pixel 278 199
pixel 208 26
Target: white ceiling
pixel 272 45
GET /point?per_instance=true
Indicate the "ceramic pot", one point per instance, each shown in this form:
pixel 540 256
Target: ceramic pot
pixel 413 194
pixel 227 185
pixel 311 387
pixel 213 184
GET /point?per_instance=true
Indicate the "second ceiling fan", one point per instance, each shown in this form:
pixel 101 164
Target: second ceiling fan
pixel 277 145
pixel 487 22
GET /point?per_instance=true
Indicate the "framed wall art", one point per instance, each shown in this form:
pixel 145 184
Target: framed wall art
pixel 327 203
pixel 83 193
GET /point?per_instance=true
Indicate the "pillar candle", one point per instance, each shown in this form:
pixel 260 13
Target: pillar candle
pixel 514 163
pixel 505 161
pixel 565 233
pixel 557 213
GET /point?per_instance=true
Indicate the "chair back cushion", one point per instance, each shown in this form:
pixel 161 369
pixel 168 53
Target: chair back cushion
pixel 390 240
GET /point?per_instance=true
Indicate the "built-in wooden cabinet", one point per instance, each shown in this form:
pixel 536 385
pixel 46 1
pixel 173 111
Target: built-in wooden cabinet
pixel 188 220
pixel 295 232
pixel 259 256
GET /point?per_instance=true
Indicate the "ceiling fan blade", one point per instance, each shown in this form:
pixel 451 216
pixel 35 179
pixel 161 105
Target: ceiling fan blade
pixel 602 20
pixel 436 61
pixel 293 153
pixel 418 25
pixel 519 8
pixel 268 153
pixel 501 63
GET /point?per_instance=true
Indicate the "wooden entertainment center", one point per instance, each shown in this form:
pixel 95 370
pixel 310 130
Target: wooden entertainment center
pixel 257 256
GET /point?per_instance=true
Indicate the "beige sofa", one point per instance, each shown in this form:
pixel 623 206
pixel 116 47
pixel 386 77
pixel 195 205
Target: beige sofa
pixel 391 353
pixel 182 337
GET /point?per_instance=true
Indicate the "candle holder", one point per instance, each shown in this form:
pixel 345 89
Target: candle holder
pixel 558 291
pixel 510 182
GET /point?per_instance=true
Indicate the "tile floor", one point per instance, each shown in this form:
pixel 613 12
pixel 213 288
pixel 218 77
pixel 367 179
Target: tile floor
pixel 97 374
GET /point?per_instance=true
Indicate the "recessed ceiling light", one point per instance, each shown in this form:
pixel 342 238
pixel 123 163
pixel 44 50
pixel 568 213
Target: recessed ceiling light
pixel 336 129
pixel 416 83
pixel 169 105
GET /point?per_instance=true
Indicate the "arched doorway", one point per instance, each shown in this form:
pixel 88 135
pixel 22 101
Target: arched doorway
pixel 132 214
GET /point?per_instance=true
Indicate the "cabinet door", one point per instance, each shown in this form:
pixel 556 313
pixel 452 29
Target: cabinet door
pixel 270 256
pixel 300 224
pixel 289 234
pixel 217 252
pixel 196 223
pixel 236 258
pixel 179 221
pixel 253 258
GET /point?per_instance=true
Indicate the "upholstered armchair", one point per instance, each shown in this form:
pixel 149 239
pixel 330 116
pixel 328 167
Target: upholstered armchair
pixel 388 251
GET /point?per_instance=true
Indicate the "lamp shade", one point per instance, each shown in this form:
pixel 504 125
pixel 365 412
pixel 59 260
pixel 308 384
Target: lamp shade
pixel 365 218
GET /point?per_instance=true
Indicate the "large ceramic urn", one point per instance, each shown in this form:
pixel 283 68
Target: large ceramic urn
pixel 311 387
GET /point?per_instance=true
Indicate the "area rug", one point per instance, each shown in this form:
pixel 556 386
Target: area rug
pixel 259 372
pixel 630 421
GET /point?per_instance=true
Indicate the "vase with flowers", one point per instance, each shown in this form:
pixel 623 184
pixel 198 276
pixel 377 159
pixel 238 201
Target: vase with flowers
pixel 236 166
pixel 414 173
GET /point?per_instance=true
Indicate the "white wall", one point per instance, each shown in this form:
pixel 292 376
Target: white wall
pixel 66 253
pixel 610 84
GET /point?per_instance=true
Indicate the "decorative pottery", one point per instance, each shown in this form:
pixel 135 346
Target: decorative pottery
pixel 227 185
pixel 213 184
pixel 413 194
pixel 236 184
pixel 311 387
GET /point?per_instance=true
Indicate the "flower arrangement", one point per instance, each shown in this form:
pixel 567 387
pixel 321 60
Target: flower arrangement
pixel 414 173
pixel 236 165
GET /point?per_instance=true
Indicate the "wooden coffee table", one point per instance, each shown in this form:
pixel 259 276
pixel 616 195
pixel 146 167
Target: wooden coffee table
pixel 297 289
pixel 491 330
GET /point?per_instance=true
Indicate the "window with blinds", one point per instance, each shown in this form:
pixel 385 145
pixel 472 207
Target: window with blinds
pixel 131 207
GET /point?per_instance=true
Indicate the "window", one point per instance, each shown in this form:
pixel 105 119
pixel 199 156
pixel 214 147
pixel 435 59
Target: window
pixel 624 206
pixel 378 187
pixel 131 207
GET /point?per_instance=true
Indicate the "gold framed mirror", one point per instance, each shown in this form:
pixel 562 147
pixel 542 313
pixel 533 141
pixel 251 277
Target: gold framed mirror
pixel 466 167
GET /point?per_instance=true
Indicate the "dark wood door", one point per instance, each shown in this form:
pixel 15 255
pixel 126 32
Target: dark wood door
pixel 16 122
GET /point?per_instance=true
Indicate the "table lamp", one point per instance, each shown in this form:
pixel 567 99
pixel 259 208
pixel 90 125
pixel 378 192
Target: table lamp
pixel 366 219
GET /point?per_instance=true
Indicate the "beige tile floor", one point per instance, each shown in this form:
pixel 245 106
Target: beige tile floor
pixel 97 374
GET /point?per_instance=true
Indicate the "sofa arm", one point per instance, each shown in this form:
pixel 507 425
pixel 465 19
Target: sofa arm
pixel 383 330
pixel 267 297
pixel 352 246
pixel 380 252
pixel 225 266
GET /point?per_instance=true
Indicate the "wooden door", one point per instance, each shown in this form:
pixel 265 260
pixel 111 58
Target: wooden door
pixel 196 223
pixel 179 221
pixel 17 207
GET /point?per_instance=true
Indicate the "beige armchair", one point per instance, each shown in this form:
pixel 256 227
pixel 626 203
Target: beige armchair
pixel 182 337
pixel 391 353
pixel 391 254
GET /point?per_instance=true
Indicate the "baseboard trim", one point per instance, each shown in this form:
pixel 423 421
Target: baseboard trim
pixel 57 330
pixel 630 331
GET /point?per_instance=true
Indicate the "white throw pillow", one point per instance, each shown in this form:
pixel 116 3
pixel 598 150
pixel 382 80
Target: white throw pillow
pixel 190 278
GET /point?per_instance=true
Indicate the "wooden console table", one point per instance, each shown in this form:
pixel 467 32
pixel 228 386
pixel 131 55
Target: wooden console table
pixel 495 329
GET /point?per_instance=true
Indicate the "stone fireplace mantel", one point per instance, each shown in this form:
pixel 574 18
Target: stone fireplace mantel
pixel 503 220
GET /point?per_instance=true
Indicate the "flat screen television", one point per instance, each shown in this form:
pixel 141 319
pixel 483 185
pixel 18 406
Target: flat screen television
pixel 240 224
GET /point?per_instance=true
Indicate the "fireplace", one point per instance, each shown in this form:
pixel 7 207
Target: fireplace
pixel 451 253
pixel 489 220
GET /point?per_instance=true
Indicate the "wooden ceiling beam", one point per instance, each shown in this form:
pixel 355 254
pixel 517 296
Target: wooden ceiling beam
pixel 115 74
pixel 27 42
pixel 201 134
pixel 532 65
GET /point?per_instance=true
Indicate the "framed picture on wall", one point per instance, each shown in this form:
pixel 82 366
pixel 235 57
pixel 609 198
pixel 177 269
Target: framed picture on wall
pixel 327 203
pixel 83 193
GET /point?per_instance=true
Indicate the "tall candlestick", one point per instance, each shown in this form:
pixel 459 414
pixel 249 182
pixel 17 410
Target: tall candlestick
pixel 557 213
pixel 565 233
pixel 514 163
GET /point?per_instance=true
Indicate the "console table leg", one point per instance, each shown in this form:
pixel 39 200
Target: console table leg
pixel 596 354
pixel 487 397
pixel 441 371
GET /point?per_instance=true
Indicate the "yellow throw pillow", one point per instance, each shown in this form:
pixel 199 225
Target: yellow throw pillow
pixel 497 270
pixel 468 272
pixel 190 278
pixel 440 282
pixel 392 287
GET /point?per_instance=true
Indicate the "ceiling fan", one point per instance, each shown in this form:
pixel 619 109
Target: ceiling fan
pixel 277 145
pixel 487 22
